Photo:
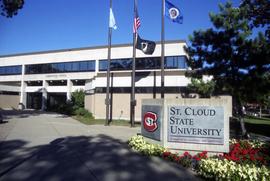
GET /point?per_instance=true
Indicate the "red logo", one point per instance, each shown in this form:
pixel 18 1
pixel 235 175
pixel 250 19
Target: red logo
pixel 150 121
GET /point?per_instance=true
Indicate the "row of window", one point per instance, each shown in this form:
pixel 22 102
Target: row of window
pixel 11 70
pixel 172 62
pixel 8 93
pixel 82 66
pixel 56 83
pixel 154 90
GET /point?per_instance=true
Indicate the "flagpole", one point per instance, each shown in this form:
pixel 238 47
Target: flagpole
pixel 162 48
pixel 132 99
pixel 107 100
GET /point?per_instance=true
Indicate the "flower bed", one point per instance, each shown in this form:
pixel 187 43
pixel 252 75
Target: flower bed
pixel 248 152
pixel 229 170
pixel 138 143
pixel 247 160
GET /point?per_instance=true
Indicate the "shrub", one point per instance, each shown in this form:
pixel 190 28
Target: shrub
pixel 64 109
pixel 185 160
pixel 251 152
pixel 77 98
pixel 247 160
pixel 83 112
pixel 138 143
pixel 229 170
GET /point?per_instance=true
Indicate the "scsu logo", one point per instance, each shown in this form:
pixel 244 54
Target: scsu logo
pixel 150 121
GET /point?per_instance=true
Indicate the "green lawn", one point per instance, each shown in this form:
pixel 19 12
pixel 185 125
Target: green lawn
pixel 92 121
pixel 258 125
pixel 257 120
pixel 253 124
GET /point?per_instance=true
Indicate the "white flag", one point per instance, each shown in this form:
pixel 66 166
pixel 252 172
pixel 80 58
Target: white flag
pixel 112 23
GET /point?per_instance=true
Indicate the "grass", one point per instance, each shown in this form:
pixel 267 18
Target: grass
pixel 93 121
pixel 258 125
pixel 257 120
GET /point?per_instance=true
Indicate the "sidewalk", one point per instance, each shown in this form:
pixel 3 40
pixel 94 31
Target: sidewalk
pixel 41 146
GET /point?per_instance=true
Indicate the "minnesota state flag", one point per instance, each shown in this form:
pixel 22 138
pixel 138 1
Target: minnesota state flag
pixel 173 12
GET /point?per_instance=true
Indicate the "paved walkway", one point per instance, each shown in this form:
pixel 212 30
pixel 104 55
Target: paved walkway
pixel 43 146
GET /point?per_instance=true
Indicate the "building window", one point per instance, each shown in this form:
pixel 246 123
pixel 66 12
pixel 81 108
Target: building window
pixel 78 82
pixel 81 66
pixel 8 93
pixel 34 83
pixel 11 70
pixel 148 63
pixel 126 90
pixel 68 67
pixel 103 65
pixel 57 82
pixel 172 62
pixel 175 62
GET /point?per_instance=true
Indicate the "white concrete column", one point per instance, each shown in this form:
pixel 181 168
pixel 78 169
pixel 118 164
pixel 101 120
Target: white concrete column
pixel 22 103
pixel 44 95
pixel 96 66
pixel 69 89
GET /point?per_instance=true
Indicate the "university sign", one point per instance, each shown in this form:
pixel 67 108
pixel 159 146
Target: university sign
pixel 196 124
pixel 188 124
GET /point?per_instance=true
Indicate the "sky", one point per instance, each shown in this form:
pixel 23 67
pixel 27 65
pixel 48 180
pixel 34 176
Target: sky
pixel 63 24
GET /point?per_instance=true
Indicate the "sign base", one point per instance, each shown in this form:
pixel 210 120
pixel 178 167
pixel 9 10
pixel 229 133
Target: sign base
pixel 188 124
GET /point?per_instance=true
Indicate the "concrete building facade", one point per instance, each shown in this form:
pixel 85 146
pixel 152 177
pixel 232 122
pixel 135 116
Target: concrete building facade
pixel 43 80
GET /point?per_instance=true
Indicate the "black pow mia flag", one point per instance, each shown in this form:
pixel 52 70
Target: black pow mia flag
pixel 146 46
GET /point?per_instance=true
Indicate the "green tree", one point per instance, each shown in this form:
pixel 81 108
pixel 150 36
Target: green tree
pixel 203 88
pixel 10 8
pixel 258 14
pixel 231 51
pixel 77 98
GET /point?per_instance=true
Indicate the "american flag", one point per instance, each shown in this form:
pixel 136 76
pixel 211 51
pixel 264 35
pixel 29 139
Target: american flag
pixel 137 22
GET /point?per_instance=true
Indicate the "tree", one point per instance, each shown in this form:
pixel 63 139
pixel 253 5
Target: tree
pixel 77 98
pixel 203 88
pixel 259 13
pixel 236 57
pixel 11 7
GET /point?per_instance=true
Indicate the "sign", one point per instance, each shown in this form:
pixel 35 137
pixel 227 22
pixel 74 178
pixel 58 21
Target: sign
pixel 196 124
pixel 151 121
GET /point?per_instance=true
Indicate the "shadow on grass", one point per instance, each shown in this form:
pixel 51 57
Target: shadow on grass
pixel 261 129
pixel 256 127
pixel 84 158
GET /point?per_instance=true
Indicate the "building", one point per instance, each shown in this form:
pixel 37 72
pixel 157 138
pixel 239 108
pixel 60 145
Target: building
pixel 43 80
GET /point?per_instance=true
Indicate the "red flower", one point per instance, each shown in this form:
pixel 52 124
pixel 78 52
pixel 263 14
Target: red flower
pixel 252 157
pixel 166 154
pixel 177 158
pixel 245 152
pixel 197 158
pixel 204 152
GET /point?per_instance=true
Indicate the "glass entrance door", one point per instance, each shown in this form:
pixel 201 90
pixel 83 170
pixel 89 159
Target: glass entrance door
pixel 34 100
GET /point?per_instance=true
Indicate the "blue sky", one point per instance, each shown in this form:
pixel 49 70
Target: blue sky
pixel 60 24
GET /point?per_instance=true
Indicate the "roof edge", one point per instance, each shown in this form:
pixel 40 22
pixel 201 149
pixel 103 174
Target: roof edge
pixel 84 48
